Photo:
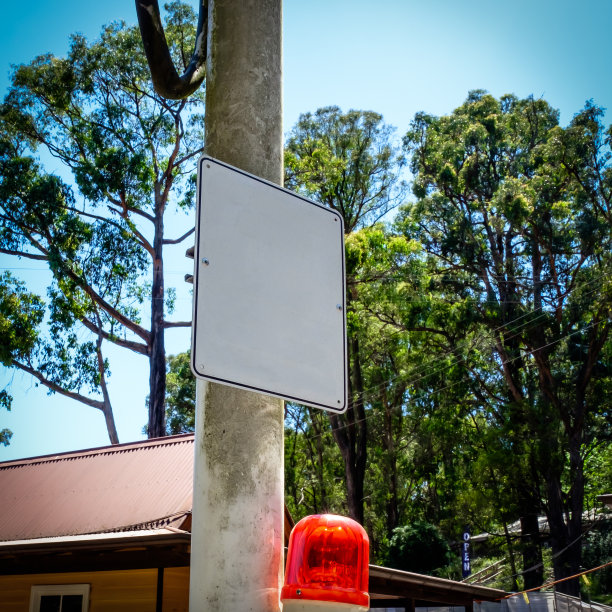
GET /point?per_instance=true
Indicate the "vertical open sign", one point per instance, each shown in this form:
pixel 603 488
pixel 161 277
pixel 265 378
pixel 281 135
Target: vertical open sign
pixel 466 568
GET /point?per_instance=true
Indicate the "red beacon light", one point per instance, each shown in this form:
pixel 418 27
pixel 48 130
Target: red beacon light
pixel 327 566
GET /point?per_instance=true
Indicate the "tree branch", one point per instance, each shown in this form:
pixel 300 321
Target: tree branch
pixel 179 240
pixel 24 254
pixel 183 159
pixel 136 347
pixel 111 310
pixel 166 81
pixel 57 389
pixel 168 324
pixel 107 410
pixel 131 209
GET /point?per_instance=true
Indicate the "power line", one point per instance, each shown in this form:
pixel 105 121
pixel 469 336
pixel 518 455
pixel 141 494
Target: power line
pixel 412 382
pixel 375 392
pixel 597 520
pixel 555 582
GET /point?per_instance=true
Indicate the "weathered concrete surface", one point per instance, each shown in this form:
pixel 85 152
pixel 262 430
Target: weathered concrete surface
pixel 243 86
pixel 237 533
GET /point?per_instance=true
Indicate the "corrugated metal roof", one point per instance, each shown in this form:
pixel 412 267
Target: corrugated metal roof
pixel 142 485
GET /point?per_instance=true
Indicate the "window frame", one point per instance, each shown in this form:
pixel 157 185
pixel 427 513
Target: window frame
pixel 39 590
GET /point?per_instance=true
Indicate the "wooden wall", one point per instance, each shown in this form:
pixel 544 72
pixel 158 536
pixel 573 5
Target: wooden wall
pixel 176 589
pixel 112 591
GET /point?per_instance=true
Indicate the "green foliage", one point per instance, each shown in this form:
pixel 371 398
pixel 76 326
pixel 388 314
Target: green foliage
pixel 347 161
pixel 180 395
pixel 495 571
pixel 21 313
pixel 5 402
pixel 598 466
pixel 499 210
pixel 478 327
pixel 131 156
pixel 418 547
pixel 5 436
pixel 598 551
pixel 314 475
pixel 350 163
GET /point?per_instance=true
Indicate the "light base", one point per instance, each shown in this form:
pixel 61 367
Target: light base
pixel 305 605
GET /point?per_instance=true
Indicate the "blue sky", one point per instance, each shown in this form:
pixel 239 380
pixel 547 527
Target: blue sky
pixel 394 57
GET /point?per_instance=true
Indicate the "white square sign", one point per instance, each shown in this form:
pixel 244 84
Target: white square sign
pixel 269 283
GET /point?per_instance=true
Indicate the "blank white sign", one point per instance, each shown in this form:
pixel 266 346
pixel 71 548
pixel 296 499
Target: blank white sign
pixel 269 303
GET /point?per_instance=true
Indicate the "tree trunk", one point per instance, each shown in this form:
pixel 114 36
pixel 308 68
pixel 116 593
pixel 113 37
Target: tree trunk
pixel 110 426
pixel 319 446
pixel 391 465
pixel 565 520
pixel 514 577
pixel 354 488
pixel 157 367
pixel 350 432
pixel 343 430
pixel 565 550
pixel 362 430
pixel 532 551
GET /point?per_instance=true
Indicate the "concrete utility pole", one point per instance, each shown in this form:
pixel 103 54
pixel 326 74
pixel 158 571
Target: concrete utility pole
pixel 238 511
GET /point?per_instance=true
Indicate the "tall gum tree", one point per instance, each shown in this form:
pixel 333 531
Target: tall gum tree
pixel 519 207
pixel 131 155
pixel 348 162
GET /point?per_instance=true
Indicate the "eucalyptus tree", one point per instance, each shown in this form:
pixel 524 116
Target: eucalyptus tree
pixel 415 336
pixel 130 156
pixel 314 472
pixel 350 163
pixel 180 394
pixel 21 312
pixel 511 204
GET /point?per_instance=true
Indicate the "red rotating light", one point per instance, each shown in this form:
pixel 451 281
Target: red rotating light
pixel 328 561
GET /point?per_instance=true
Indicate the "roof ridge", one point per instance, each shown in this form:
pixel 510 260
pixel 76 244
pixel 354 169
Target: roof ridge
pixel 100 450
pixel 153 523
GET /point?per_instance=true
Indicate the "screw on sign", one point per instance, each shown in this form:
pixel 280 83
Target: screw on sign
pixel 327 566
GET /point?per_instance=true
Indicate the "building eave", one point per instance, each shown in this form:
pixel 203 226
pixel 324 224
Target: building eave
pixel 386 582
pixel 97 552
pixel 606 499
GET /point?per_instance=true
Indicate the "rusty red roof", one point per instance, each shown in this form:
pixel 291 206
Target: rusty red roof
pixel 127 487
